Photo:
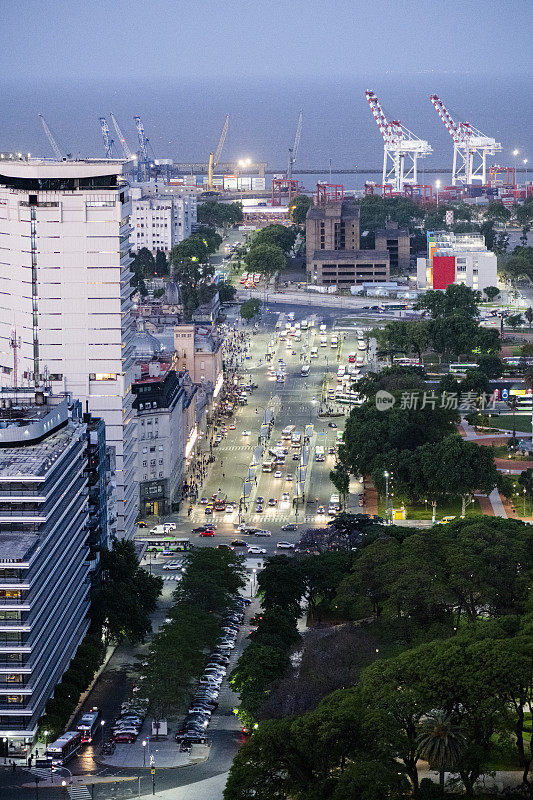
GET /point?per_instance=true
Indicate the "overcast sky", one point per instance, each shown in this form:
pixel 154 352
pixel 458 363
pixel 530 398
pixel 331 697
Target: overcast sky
pixel 138 39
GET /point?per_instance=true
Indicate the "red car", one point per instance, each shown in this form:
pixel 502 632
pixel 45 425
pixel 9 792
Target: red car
pixel 127 738
pixel 207 533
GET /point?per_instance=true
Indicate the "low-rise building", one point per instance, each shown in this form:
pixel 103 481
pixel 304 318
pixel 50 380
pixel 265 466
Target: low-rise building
pixel 199 351
pixel 457 258
pixel 159 403
pixel 160 222
pixel 397 242
pixel 48 483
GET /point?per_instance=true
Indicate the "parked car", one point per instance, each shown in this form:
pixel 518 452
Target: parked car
pixel 123 737
pixel 285 546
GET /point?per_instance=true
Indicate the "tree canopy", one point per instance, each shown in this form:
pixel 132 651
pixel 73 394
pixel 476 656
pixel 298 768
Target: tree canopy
pixel 266 259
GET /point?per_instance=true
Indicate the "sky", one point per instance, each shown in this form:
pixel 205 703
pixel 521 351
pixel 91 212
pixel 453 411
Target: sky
pixel 128 40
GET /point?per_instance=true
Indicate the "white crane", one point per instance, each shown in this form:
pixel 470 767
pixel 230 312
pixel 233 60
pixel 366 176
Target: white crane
pixel 108 141
pixel 53 143
pixel 123 143
pixel 214 157
pixel 293 151
pixel 401 150
pixel 470 147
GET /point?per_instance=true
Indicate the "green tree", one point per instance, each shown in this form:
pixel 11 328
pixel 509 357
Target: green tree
pixel 219 215
pixel 514 321
pixel 127 596
pixel 340 479
pixel 492 292
pixel 282 583
pixel 277 235
pixel 249 309
pixel 458 299
pixel 528 314
pixel 144 263
pixel 266 259
pixel 227 292
pixel 491 365
pixel 497 212
pixel 161 263
pixel 299 208
pixel 440 743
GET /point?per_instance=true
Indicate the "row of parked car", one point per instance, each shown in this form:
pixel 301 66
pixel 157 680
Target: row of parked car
pixel 194 728
pixel 128 725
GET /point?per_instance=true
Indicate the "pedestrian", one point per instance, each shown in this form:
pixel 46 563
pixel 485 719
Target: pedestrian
pixel 13 766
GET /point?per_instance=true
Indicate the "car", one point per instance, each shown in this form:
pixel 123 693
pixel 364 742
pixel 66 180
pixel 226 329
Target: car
pixel 321 510
pixel 223 547
pixel 256 551
pixel 332 424
pixel 288 477
pixel 247 433
pixel 196 709
pixel 204 501
pixel 208 510
pixel 285 546
pixel 207 533
pixel 273 501
pixel 263 533
pixel 239 543
pixel 232 427
pixel 446 520
pixel 290 526
pixel 170 526
pixel 259 508
pixel 277 473
pixel 285 497
pixel 249 531
pixel 142 524
pixel 173 565
pixel 260 499
pixel 296 457
pixel 230 508
pixel 331 451
pixel 199 529
pixel 126 738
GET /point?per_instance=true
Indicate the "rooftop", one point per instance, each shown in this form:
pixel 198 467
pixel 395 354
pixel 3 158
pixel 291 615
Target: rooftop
pixel 50 168
pixel 17 546
pixel 334 208
pixel 35 459
pixel 351 255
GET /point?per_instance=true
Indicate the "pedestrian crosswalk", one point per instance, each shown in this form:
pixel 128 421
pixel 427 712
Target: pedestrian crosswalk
pixel 78 793
pixel 41 772
pixel 234 448
pixel 263 519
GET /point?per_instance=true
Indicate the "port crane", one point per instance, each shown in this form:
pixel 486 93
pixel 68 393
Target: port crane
pixel 108 141
pixel 293 151
pixel 123 143
pixel 470 147
pixel 53 143
pixel 401 149
pixel 214 157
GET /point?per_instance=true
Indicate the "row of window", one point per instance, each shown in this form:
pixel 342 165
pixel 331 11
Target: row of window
pixel 152 464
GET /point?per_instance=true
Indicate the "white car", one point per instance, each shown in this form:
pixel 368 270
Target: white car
pixel 256 551
pixel 247 433
pixel 172 565
pixel 277 473
pixel 285 497
pixel 230 509
pixel 170 526
pixel 262 533
pixel 285 546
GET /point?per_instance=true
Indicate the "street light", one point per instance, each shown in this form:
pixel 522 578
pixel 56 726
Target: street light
pixel 144 752
pixel 386 475
pixel 524 162
pixel 437 186
pixel 516 153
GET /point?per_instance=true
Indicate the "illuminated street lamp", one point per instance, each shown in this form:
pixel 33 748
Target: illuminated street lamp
pixel 437 186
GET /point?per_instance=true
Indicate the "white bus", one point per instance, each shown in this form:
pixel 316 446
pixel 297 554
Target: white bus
pixel 461 368
pixel 88 725
pixel 296 439
pixel 319 453
pixel 287 432
pixel 64 748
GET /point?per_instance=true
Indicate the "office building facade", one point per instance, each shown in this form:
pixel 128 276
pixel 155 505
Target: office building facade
pixel 44 557
pixel 457 258
pixel 159 222
pixel 65 290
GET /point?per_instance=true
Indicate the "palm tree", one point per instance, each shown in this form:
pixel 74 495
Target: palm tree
pixel 440 743
pixel 528 380
pixel 513 405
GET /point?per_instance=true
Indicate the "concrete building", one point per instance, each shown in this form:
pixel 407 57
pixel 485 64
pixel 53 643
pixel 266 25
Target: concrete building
pixel 333 254
pixel 457 258
pixel 159 404
pixel 65 295
pixel 45 555
pixel 397 242
pixel 160 222
pixel 199 351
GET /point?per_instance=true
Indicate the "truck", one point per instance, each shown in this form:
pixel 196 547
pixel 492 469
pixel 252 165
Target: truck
pixel 319 453
pixel 323 341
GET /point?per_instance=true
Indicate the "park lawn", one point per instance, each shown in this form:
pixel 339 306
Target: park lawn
pixel 505 422
pixel 448 509
pixel 501 451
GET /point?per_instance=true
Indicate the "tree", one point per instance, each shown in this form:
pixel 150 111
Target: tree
pixel 514 321
pixel 161 263
pixel 501 243
pixel 278 235
pixel 458 299
pixel 497 212
pixel 266 259
pixel 440 743
pixel 528 314
pixel 491 365
pixel 340 479
pixel 227 292
pixel 299 208
pixel 282 583
pixel 219 215
pixel 127 596
pixel 492 292
pixel 143 263
pixel 249 309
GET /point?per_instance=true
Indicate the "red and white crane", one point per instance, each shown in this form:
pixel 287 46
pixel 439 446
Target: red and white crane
pixel 401 149
pixel 470 147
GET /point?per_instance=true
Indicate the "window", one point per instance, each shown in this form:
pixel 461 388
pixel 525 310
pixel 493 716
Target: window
pixel 145 450
pixel 152 449
pixel 145 463
pixel 160 474
pixel 160 461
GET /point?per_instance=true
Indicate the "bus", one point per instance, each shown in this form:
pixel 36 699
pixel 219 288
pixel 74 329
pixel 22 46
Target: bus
pixel 400 361
pixel 166 544
pixel 88 725
pixel 244 277
pixel 323 341
pixel 296 439
pixel 393 307
pixel 460 368
pixel 287 432
pixel 64 748
pixel 319 453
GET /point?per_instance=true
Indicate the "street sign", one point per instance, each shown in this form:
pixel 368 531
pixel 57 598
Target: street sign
pixel 153 770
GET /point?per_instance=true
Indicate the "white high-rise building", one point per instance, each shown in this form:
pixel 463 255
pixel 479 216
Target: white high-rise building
pixel 65 295
pixel 160 222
